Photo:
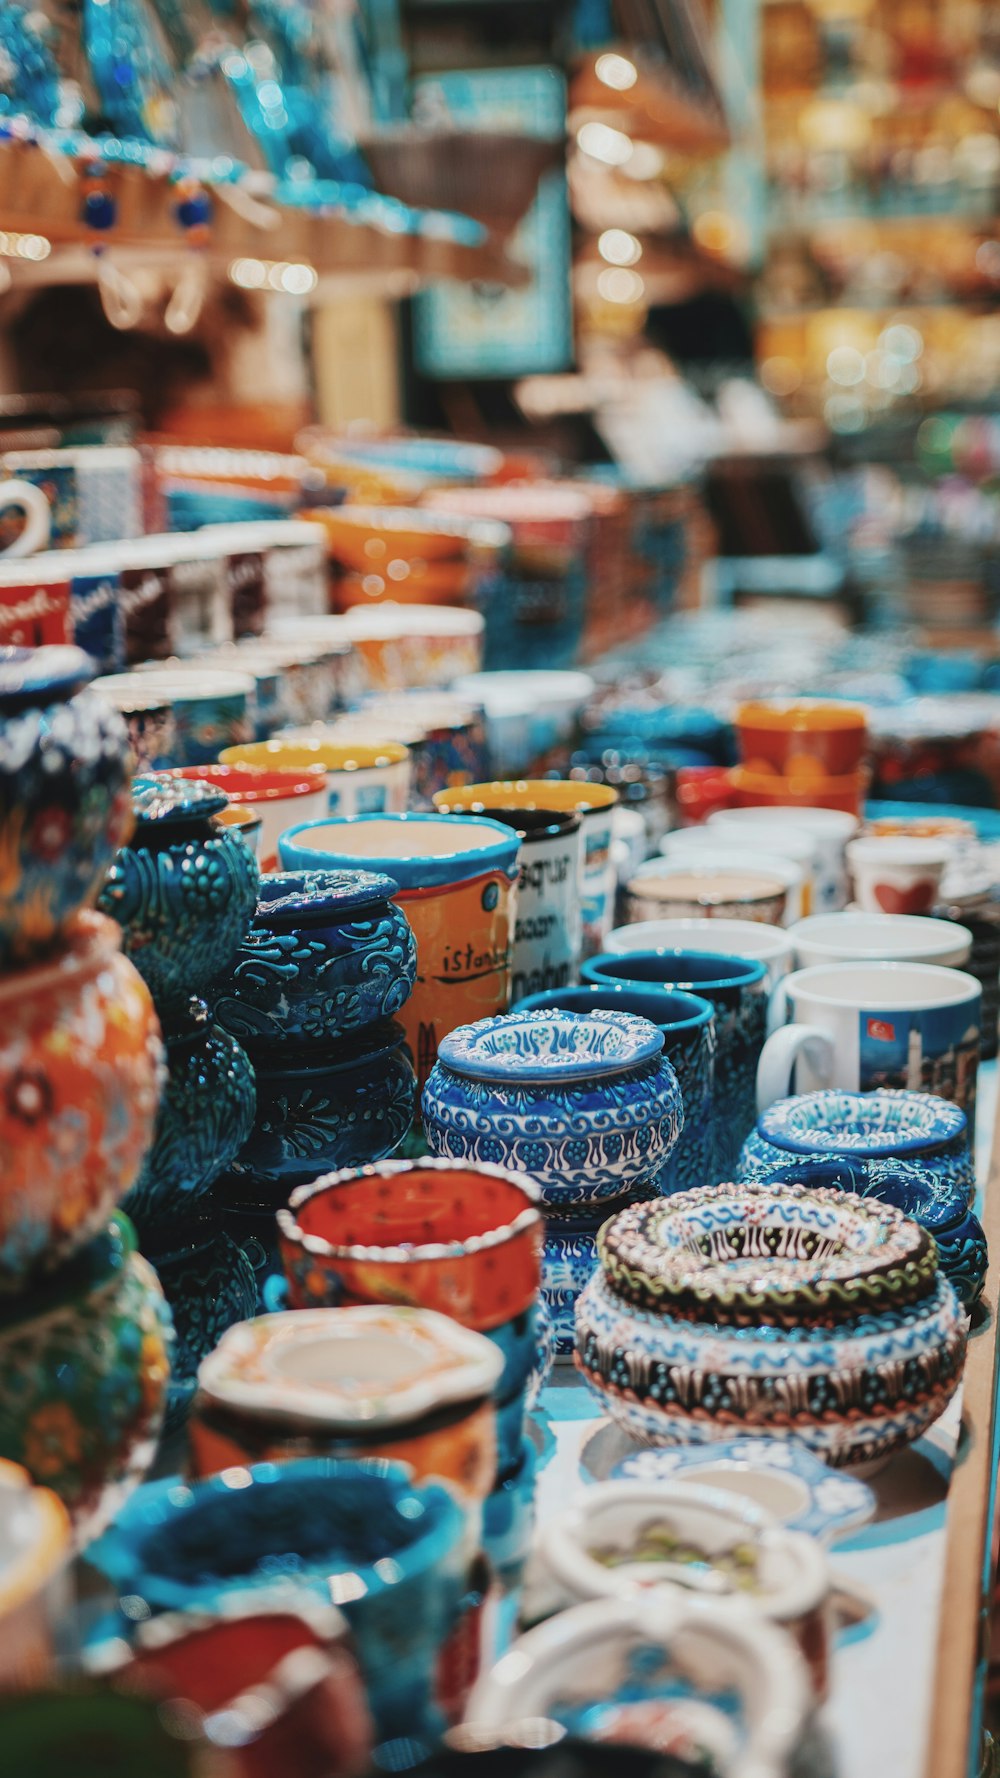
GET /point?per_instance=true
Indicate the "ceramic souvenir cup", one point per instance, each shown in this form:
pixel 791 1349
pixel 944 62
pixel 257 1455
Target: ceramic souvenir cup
pixel 456 887
pixel 363 1380
pixel 361 779
pixel 868 1025
pixel 548 930
pixel 730 938
pixel 796 739
pixel 148 714
pixel 689 844
pixel 35 1599
pixel 879 938
pixel 281 795
pixel 211 708
pixel 434 1234
pixel 594 803
pixel 688 1026
pixel 897 875
pixel 35 599
pixel 737 989
pixel 728 890
pixel 92 494
pixel 585 1103
pixel 832 828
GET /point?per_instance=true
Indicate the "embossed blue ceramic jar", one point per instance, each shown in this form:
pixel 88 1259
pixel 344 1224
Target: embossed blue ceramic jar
pixel 569 1261
pixel 323 1107
pixel 326 953
pixel 206 1114
pixel 585 1103
pixel 64 802
pixel 688 1025
pixel 209 1284
pixel 184 890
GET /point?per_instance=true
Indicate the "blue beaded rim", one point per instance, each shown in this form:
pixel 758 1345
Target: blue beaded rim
pixel 869 1125
pixel 836 1502
pixel 163 799
pixel 285 894
pixel 34 674
pixel 550 1047
pixel 670 1012
pixel 691 972
pixel 412 869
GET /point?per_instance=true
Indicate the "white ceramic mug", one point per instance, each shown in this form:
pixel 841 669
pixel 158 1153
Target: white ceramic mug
pixel 37 517
pixel 693 847
pixel 898 875
pixel 831 827
pixel 863 1026
pixel 92 493
pixel 726 890
pixel 879 938
pixel 796 844
pixel 722 938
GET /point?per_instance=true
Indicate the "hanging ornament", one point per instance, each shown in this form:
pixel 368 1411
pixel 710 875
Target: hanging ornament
pixel 120 300
pixel 193 211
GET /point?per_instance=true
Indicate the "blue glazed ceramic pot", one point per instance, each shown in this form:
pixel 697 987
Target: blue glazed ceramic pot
pixel 323 1107
pixel 184 890
pixel 737 988
pixel 206 1114
pixel 249 1220
pixel 396 1555
pixel 327 952
pixel 929 1133
pixel 209 1285
pixel 585 1103
pixel 688 1025
pixel 64 803
pixel 569 1260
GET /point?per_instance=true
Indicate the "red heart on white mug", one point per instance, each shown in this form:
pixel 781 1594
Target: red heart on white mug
pixel 919 898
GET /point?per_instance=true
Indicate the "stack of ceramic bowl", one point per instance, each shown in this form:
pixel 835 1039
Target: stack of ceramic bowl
pixel 806 754
pixel 183 891
pixel 84 1333
pixel 446 735
pixel 327 961
pixel 771 1309
pixel 409 647
pixel 407 557
pixel 584 1103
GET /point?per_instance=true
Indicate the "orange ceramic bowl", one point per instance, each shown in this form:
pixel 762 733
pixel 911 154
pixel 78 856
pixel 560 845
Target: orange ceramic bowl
pixel 771 790
pixel 807 739
pixel 368 538
pixel 81 1068
pixel 422 583
pixel 433 1234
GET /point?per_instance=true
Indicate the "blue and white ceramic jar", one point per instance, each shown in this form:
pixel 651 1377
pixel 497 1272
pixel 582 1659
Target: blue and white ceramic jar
pixel 324 1107
pixel 738 990
pixel 327 952
pixel 206 1114
pixel 184 890
pixel 585 1103
pixel 688 1025
pixel 878 1128
pixel 64 802
pixel 569 1261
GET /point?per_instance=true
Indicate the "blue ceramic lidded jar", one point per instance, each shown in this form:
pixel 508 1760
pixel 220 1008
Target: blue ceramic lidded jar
pixel 184 890
pixel 327 952
pixel 64 802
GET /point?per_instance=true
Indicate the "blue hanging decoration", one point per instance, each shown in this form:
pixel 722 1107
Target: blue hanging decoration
pixel 29 77
pixel 131 70
pixel 193 213
pixel 98 209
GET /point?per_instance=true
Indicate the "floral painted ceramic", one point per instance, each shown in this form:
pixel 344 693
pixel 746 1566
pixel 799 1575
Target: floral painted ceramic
pixel 387 1381
pixel 396 1554
pixel 320 1107
pixel 853 1393
pixel 80 1075
pixel 880 1127
pixel 84 1366
pixel 783 1254
pixel 64 802
pixel 326 952
pixel 569 1259
pixel 209 1285
pixel 584 1103
pixel 435 1234
pixel 35 1553
pixel 206 1114
pixel 780 1475
pixel 738 990
pixel 183 892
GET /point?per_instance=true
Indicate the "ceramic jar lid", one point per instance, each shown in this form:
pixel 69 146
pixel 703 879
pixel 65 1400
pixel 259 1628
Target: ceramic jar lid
pixel 288 897
pixel 871 1126
pixel 767 1252
pixel 350 1369
pixel 551 1047
pixel 50 674
pixel 164 800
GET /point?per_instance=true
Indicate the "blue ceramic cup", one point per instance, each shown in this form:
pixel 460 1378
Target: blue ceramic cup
pixel 737 989
pixel 688 1025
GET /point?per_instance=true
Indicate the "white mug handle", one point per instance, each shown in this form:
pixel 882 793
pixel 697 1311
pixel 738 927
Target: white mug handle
pixel 780 1053
pixel 37 511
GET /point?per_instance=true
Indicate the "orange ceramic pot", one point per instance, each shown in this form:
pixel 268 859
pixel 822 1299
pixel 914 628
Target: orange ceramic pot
pixel 769 789
pixel 792 737
pixel 81 1066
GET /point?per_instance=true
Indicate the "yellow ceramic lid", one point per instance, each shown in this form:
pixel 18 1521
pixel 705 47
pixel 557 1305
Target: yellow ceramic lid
pixel 528 793
pixel 336 756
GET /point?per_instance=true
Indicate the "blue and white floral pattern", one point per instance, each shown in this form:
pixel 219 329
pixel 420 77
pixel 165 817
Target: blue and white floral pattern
pixel 834 1504
pixel 692 1056
pixel 879 1127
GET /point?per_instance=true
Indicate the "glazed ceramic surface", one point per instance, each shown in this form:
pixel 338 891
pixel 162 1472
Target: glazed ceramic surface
pixel 688 1026
pixel 782 1254
pixel 727 890
pixel 35 1551
pixel 737 989
pixel 205 1115
pixel 209 1285
pixel 385 1381
pixel 548 930
pixel 569 1260
pixel 584 1103
pixel 64 804
pixel 320 1107
pixel 732 938
pixel 360 779
pixel 780 1475
pixel 326 953
pixel 931 1133
pixel 183 891
pixel 80 1075
pixel 852 1393
pixel 395 1554
pixel 85 1366
pixel 890 938
pixel 457 891
pixel 212 709
pixel 832 827
pixel 280 795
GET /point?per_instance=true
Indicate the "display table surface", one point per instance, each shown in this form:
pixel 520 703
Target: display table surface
pixel 907 1682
